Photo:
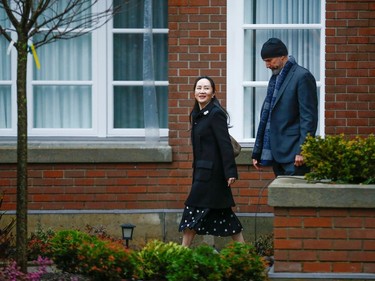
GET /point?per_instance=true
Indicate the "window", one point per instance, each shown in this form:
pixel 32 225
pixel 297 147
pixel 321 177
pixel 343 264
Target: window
pixel 6 101
pixel 139 68
pixel 299 24
pixel 110 82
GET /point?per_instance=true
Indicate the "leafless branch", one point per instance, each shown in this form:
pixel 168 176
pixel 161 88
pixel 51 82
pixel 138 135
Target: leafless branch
pixel 54 19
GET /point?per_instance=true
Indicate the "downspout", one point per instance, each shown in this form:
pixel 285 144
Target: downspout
pixel 151 117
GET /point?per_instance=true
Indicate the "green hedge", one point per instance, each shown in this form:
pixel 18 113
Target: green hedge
pixel 340 159
pixel 102 259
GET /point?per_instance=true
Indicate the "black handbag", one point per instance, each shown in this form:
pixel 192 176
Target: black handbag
pixel 236 146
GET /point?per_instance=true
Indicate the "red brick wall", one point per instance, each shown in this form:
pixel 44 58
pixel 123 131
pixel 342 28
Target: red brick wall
pixel 324 240
pixel 197 46
pixel 350 67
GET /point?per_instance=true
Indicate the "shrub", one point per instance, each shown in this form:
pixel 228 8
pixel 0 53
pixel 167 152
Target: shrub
pixel 264 245
pixel 39 243
pixel 77 252
pixel 243 263
pixel 6 235
pixel 155 259
pixel 170 261
pixel 199 264
pixel 339 159
pixel 100 232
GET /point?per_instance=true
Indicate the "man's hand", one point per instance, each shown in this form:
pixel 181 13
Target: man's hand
pixel 256 164
pixel 298 161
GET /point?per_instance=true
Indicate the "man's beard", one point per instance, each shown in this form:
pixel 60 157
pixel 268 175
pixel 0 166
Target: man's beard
pixel 276 71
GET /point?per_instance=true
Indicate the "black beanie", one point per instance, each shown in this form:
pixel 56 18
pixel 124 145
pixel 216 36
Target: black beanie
pixel 273 48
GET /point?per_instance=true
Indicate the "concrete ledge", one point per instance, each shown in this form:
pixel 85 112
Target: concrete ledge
pixel 297 192
pixel 320 276
pixel 150 224
pixel 89 152
pixel 245 156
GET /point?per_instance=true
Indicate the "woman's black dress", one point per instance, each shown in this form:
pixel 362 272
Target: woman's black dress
pixel 204 221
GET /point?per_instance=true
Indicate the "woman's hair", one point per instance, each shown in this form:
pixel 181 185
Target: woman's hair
pixel 214 99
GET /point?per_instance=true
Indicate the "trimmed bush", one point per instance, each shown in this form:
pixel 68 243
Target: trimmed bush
pixel 340 159
pixel 243 263
pixel 77 252
pixel 38 243
pixel 199 264
pixel 154 261
pixel 170 261
pixel 100 257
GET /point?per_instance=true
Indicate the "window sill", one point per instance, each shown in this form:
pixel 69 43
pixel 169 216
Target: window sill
pixel 88 151
pixel 245 156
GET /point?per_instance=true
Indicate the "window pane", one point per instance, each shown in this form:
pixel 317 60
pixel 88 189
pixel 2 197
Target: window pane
pixel 128 107
pixel 129 110
pixel 75 14
pixel 5 107
pixel 162 100
pixel 128 57
pixel 65 60
pixel 131 14
pixel 5 74
pixel 161 56
pixel 62 107
pixel 253 100
pixel 303 45
pixel 5 69
pixel 160 13
pixel 4 21
pixel 282 11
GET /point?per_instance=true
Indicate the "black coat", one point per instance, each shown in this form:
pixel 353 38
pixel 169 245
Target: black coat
pixel 213 162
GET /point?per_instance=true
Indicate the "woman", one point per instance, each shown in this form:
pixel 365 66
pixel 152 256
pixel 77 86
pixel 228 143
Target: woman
pixel 208 208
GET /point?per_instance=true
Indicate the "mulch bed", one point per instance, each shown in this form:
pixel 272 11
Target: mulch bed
pixel 63 276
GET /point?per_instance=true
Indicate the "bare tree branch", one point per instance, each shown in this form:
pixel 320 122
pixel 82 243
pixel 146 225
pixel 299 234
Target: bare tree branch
pixel 76 19
pixel 25 12
pixel 54 19
pixel 10 13
pixel 36 13
pixel 5 34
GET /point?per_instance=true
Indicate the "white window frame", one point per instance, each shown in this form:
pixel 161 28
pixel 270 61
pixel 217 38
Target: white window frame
pixel 235 66
pixel 163 132
pixel 126 132
pixel 101 82
pixel 13 84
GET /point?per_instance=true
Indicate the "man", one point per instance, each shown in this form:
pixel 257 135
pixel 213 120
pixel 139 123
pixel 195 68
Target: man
pixel 289 112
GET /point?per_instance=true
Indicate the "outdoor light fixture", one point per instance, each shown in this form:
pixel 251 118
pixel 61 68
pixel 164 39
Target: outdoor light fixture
pixel 127 232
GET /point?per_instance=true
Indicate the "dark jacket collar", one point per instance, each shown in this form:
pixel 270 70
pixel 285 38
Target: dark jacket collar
pixel 205 111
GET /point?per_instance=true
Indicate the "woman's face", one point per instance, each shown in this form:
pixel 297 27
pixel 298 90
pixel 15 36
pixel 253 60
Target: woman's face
pixel 203 92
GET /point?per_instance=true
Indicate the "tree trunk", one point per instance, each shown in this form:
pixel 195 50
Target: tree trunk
pixel 22 193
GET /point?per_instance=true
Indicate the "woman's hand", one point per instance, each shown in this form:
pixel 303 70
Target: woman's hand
pixel 230 181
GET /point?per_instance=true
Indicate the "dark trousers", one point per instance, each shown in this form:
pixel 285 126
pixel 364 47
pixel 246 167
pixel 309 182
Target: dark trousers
pixel 288 169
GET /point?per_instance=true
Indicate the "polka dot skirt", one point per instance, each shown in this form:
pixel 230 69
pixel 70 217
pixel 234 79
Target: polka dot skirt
pixel 217 222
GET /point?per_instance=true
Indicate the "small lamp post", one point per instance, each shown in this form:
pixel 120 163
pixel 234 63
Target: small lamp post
pixel 127 233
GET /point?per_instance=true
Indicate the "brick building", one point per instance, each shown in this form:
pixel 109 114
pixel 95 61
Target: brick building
pixel 108 173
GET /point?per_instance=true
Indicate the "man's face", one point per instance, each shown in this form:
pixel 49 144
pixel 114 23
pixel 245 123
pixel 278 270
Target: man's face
pixel 275 64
